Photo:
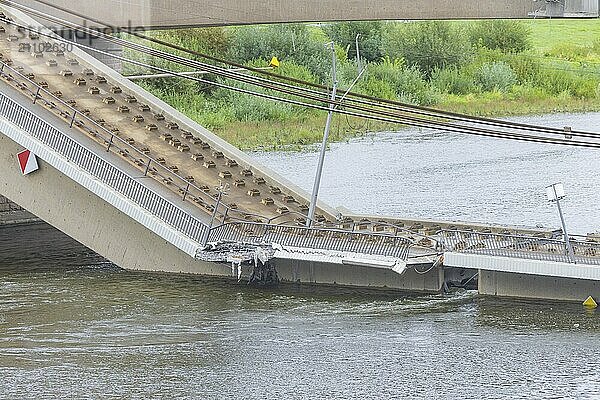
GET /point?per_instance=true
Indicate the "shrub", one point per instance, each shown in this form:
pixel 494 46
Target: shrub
pixel 378 88
pixel 247 108
pixel 505 35
pixel 497 76
pixel 453 81
pixel 287 42
pixel 561 81
pixel 428 45
pixel 394 80
pixel 213 41
pixel 527 67
pixel 369 43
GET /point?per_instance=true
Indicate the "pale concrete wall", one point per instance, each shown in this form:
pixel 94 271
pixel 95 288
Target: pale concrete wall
pixel 506 284
pixel 351 275
pixel 169 13
pixel 94 223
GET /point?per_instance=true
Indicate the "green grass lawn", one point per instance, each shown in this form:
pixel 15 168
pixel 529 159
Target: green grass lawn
pixel 548 33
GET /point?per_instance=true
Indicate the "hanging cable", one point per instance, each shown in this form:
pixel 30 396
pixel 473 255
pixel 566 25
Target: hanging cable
pixel 403 119
pixel 352 97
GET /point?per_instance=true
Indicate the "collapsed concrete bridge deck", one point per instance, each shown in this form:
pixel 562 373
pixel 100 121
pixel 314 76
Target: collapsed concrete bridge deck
pixel 133 179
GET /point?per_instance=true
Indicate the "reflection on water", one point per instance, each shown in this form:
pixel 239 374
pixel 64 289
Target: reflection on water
pixel 73 326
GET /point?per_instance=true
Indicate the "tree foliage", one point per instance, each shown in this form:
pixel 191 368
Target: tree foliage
pixel 287 42
pixel 505 35
pixel 429 45
pixel 369 41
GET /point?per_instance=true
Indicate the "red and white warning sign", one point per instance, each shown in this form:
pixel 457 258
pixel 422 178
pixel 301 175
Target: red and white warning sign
pixel 27 162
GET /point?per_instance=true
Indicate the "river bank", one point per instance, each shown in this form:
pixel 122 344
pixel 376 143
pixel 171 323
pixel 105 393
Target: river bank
pixel 297 133
pixel 487 68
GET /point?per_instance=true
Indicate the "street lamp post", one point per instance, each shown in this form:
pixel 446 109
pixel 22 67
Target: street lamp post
pixel 317 183
pixel 358 61
pixel 332 108
pixel 555 193
pixel 222 189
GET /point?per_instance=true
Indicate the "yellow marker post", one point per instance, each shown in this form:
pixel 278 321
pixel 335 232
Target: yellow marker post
pixel 274 62
pixel 590 302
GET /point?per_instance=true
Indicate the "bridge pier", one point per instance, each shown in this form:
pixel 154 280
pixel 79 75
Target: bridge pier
pixel 510 284
pixel 430 280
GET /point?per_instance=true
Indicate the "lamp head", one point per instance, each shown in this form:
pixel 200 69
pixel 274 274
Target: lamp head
pixel 555 192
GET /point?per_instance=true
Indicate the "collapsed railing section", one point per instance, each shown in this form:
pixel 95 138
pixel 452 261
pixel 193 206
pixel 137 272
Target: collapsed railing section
pixel 101 169
pixel 313 238
pixel 520 246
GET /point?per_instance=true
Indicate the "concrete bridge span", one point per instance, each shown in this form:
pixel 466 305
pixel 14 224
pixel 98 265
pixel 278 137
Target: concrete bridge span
pixel 187 13
pixel 141 215
pixel 122 173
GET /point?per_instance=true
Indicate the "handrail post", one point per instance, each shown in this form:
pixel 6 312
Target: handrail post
pixel 187 190
pixel 37 94
pixel 148 166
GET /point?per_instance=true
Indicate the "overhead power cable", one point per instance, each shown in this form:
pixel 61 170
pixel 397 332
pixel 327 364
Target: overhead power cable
pixel 352 96
pixel 386 118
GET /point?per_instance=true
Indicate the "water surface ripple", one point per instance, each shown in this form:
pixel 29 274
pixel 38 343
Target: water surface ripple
pixel 72 326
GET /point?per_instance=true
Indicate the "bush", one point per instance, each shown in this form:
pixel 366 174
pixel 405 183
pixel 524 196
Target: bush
pixel 504 35
pixel 527 67
pixel 561 81
pixel 453 81
pixel 287 42
pixel 250 109
pixel 212 41
pixel 428 45
pixel 369 42
pixel 497 76
pixel 395 80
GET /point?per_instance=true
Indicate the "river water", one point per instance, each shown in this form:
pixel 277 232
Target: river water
pixel 73 326
pixel 430 174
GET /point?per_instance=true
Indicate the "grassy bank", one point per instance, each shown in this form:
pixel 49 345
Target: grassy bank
pixel 488 68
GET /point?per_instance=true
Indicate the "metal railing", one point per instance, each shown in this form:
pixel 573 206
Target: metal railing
pixel 102 169
pixel 240 231
pixel 520 246
pixel 313 238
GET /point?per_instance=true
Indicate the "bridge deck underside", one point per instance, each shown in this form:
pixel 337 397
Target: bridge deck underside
pixel 166 13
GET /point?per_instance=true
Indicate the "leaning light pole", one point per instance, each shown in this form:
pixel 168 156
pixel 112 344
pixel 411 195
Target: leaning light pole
pixel 555 193
pixel 317 183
